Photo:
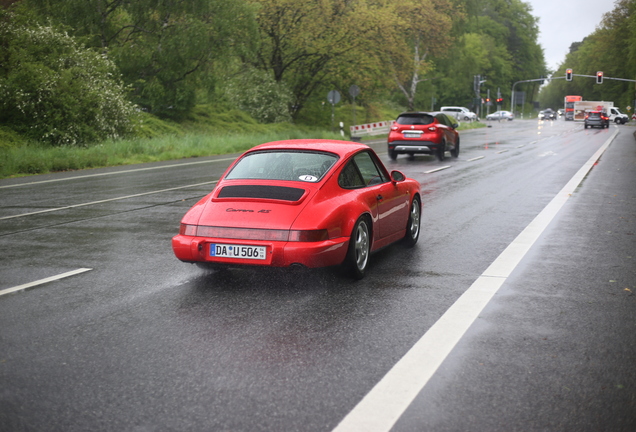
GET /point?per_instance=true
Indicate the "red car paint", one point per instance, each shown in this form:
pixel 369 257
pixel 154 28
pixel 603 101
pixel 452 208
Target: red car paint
pixel 306 218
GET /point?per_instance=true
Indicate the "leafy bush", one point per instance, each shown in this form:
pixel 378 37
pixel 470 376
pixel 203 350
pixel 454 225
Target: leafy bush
pixel 258 94
pixel 55 91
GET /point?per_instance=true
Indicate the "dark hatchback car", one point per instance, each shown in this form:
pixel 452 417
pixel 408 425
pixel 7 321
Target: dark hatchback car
pixel 424 132
pixel 596 118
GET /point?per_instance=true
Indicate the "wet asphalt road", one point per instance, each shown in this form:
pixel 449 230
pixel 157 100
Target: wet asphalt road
pixel 142 342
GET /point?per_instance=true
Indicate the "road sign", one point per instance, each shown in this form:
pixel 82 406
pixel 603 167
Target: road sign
pixel 333 97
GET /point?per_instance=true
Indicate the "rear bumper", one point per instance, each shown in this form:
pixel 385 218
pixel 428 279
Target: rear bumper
pixel 413 146
pixel 279 254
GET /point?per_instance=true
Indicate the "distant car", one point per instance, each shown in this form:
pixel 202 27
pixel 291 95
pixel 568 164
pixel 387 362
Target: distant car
pixel 547 114
pixel 460 113
pixel 424 132
pixel 309 203
pixel 596 119
pixel 561 112
pixel 500 115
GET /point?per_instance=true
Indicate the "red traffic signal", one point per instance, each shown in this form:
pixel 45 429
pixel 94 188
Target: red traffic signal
pixel 599 77
pixel 568 74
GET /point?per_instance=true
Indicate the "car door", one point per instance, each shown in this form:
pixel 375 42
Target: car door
pixel 392 201
pixel 450 135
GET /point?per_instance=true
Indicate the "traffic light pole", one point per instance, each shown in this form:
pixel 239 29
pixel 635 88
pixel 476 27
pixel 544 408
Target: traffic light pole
pixel 594 76
pixel 512 96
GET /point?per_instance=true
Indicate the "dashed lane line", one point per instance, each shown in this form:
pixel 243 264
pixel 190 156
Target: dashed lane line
pixel 43 281
pixel 105 200
pixel 476 158
pixel 437 169
pixel 81 177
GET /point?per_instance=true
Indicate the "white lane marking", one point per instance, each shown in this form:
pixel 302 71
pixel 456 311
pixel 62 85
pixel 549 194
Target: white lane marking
pixel 437 169
pixel 105 200
pixel 386 402
pixel 476 158
pixel 179 165
pixel 43 281
pixel 502 151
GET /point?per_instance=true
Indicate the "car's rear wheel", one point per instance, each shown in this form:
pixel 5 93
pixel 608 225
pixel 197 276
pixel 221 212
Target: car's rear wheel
pixel 441 151
pixel 455 152
pixel 413 224
pixel 392 154
pixel 359 249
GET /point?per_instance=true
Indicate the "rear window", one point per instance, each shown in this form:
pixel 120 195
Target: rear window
pixel 415 119
pixel 304 166
pixel 594 115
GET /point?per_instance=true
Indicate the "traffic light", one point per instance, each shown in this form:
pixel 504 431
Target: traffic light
pixel 568 74
pixel 499 101
pixel 599 77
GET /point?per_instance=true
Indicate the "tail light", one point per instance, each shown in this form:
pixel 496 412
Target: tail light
pixel 254 233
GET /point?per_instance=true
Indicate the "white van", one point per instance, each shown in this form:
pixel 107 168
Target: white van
pixel 617 116
pixel 460 113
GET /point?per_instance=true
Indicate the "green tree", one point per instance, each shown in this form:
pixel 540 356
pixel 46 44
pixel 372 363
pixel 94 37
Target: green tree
pixel 54 90
pixel 422 31
pixel 257 93
pixel 497 40
pixel 166 49
pixel 313 45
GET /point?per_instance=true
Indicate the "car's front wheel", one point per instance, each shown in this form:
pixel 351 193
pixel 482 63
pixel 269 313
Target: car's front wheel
pixel 359 249
pixel 413 224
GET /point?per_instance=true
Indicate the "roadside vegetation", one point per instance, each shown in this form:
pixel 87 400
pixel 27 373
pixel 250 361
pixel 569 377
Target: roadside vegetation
pixel 86 84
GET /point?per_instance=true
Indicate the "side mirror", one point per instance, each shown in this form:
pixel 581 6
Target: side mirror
pixel 397 176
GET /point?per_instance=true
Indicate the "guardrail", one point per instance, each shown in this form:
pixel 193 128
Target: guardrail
pixel 376 128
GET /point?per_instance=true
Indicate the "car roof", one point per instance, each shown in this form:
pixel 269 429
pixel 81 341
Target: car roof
pixel 433 113
pixel 341 148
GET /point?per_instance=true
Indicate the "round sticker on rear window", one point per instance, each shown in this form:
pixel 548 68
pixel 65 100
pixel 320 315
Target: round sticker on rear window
pixel 308 178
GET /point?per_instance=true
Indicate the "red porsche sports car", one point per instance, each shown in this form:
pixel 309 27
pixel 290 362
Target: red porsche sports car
pixel 312 203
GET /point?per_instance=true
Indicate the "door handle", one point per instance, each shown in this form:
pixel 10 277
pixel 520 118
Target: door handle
pixel 379 197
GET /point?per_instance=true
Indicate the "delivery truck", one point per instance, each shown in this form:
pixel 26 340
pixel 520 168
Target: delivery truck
pixel 614 114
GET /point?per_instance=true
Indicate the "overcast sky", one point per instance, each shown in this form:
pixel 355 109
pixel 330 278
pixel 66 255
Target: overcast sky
pixel 562 22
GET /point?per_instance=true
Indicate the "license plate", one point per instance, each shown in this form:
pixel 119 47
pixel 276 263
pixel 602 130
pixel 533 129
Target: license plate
pixel 237 251
pixel 411 135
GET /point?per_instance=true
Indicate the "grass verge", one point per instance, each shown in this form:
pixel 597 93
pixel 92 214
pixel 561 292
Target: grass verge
pixel 29 159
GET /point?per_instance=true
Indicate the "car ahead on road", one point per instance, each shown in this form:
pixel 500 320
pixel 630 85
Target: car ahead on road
pixel 307 203
pixel 548 114
pixel 596 119
pixel 500 115
pixel 424 133
pixel 460 113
